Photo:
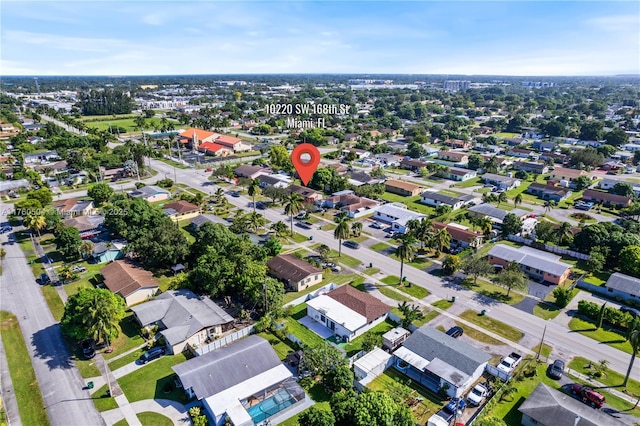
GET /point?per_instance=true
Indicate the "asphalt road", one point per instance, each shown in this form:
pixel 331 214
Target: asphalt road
pixel 60 382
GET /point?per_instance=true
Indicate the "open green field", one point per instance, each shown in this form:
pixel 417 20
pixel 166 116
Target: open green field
pixel 23 377
pixel 493 291
pixel 411 289
pixel 127 123
pixel 493 325
pixel 469 183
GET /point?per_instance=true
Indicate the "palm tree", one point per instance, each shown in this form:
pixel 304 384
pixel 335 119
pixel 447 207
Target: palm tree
pixel 356 229
pixel 422 230
pixel 101 323
pixel 279 228
pixel 405 251
pixel 35 223
pixel 634 339
pixel 86 249
pixel 563 232
pixel 255 222
pixel 486 225
pixel 502 198
pixel 293 206
pixel 517 200
pixel 441 240
pixel 342 231
pixel 219 195
pixel 253 190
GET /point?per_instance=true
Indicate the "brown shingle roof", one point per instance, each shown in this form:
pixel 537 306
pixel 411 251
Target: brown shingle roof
pixel 458 234
pixel 606 197
pixel 356 300
pixel 288 267
pixel 124 277
pixel 401 184
pixel 181 206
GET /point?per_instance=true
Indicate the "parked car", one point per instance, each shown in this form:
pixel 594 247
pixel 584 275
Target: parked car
pixel 44 278
pixel 79 269
pixel 588 395
pixel 631 311
pixel 151 354
pixel 478 394
pixel 6 229
pixel 352 244
pixel 87 349
pixel 260 205
pixel 209 169
pixel 556 370
pixel 304 225
pixel 455 332
pixel 448 412
pixel 235 194
pixel 509 363
pixel 376 225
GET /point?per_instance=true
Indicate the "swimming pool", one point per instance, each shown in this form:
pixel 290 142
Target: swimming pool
pixel 271 406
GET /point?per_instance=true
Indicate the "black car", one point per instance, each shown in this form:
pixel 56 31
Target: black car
pixel 44 278
pixel 631 311
pixel 87 349
pixel 455 332
pixel 235 194
pixel 304 225
pixel 151 354
pixel 351 244
pixel 260 205
pixel 556 370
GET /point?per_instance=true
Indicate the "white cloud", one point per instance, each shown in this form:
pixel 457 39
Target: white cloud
pixel 616 23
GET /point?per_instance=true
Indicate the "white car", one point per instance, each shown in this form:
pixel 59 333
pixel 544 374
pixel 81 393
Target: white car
pixel 477 395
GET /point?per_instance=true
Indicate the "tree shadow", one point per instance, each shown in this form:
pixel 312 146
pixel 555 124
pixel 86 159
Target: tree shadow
pixel 48 344
pixel 484 300
pixel 513 416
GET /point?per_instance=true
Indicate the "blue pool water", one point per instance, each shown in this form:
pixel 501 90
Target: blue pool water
pixel 270 406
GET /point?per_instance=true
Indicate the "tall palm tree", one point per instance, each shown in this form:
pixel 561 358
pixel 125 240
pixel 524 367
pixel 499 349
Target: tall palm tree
pixel 253 190
pixel 35 223
pixel 563 232
pixel 342 231
pixel 422 230
pixel 441 240
pixel 219 195
pixel 486 225
pixel 86 249
pixel 517 200
pixel 293 206
pixel 502 198
pixel 100 321
pixel 634 339
pixel 255 222
pixel 356 228
pixel 279 228
pixel 405 251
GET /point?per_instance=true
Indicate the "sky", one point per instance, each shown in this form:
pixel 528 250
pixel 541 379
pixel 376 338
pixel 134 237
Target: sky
pixel 540 38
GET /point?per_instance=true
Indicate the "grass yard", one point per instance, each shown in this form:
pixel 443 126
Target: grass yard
pixel 329 277
pixel 153 380
pixel 307 336
pixel 412 203
pixel 127 359
pixel 371 271
pixel 493 291
pixel 599 278
pixel 393 294
pixel 610 378
pixel 297 238
pixel 317 392
pixel 469 183
pixel 493 325
pixel 344 259
pixel 126 123
pixel 102 401
pixel 401 387
pixel 477 335
pixel 381 247
pixel 23 377
pixel 121 422
pixel 148 418
pixel 411 289
pixel 129 337
pixel 355 346
pixel 545 351
pixel 282 348
pixel 604 335
pixel 546 311
pixel 53 300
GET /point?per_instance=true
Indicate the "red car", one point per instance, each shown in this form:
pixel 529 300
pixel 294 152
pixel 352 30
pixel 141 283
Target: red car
pixel 209 169
pixel 588 395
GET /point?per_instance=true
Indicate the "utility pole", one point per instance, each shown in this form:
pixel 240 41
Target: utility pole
pixel 541 342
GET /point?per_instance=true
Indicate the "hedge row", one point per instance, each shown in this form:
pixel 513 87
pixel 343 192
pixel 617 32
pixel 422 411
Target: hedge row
pixel 612 316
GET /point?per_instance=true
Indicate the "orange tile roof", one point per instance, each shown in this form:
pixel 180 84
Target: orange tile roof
pixel 201 134
pixel 182 206
pixel 212 147
pixel 227 140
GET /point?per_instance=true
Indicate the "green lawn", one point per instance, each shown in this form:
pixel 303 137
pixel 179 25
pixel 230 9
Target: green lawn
pixel 307 336
pixel 23 377
pixel 121 422
pixel 53 300
pixel 544 352
pixel 344 259
pixel 412 203
pixel 153 380
pixel 102 402
pixel 371 271
pixel 392 294
pixel 603 335
pixel 129 337
pixel 493 325
pixel 493 291
pixel 411 289
pixel 127 359
pixel 597 278
pixel 355 345
pixel 401 387
pixel 546 311
pixel 282 348
pixel 148 418
pixel 469 183
pixel 381 247
pixel 478 335
pixel 126 123
pixel 610 378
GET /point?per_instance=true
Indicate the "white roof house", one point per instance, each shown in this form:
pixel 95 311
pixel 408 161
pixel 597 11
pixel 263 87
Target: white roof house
pixel 334 309
pixel 397 214
pixel 530 257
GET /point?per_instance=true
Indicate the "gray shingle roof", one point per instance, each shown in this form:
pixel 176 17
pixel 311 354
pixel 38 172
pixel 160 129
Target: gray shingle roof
pixel 624 283
pixel 182 313
pixel 446 199
pixel 550 407
pixel 228 366
pixel 148 191
pixel 530 257
pixel 494 212
pixel 430 344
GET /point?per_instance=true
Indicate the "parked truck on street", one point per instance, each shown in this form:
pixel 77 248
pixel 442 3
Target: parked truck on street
pixel 509 363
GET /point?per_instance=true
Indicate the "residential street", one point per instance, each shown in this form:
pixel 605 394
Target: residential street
pixel 60 383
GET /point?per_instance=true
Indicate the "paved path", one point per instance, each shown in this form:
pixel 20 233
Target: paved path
pixel 171 409
pixel 9 401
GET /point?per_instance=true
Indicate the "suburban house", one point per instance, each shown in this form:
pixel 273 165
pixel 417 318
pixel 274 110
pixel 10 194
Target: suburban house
pixel 351 204
pixel 308 195
pixel 560 174
pixel 184 319
pixel 538 264
pixel 605 198
pixel 87 226
pixel 201 219
pixel 494 213
pixel 397 215
pixel 251 172
pixel 548 407
pixel 514 141
pixel 151 193
pixel 501 182
pixel 624 286
pixel 361 178
pixel 361 154
pixel 130 281
pixel 538 168
pixel 413 165
pixel 400 187
pixel 73 207
pixel 297 274
pixel 522 153
pixel 541 146
pixel 215 149
pixel 277 181
pixel 438 361
pixel 108 252
pixel 347 312
pixel 244 383
pixel 460 175
pixel 181 210
pixel 454 157
pixel 394 338
pixel 548 191
pixel 41 157
pixel 434 198
pixel 460 235
pixel 458 143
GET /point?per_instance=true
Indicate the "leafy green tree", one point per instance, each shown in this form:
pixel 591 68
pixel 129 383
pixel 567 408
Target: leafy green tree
pixel 623 188
pixel 451 263
pixel 342 405
pixel 43 195
pixel 582 182
pixel 562 295
pixel 630 260
pixel 616 137
pixel 502 198
pixel 370 341
pixel 86 249
pixel 293 206
pixel 591 130
pixel 517 200
pixel 442 210
pixel 164 245
pixel 596 260
pixel 421 230
pixel 440 241
pixel 475 162
pixel 410 313
pixel 563 233
pixel 35 223
pixel 52 219
pixel 315 416
pixel 93 312
pixel 405 251
pixel 511 224
pixel 279 228
pixel 489 421
pixel 477 267
pixel 338 379
pixel 273 246
pixel 322 358
pixel 379 408
pixel 324 251
pixel 342 232
pixel 356 229
pixel 68 242
pixel 100 192
pixel 510 278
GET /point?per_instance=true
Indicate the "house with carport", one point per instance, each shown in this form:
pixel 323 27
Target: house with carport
pixel 131 281
pixel 440 362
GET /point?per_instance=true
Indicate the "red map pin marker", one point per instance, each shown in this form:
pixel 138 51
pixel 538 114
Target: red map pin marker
pixel 305 158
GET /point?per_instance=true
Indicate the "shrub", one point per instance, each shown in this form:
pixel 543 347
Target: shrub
pixel 563 296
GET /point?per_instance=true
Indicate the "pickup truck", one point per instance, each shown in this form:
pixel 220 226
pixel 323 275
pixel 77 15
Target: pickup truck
pixel 588 395
pixel 509 363
pixel 448 412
